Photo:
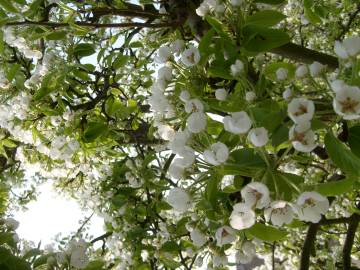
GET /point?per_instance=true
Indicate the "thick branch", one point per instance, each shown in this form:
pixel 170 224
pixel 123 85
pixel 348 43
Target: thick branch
pixel 104 11
pixel 305 55
pixel 349 241
pixel 308 244
pixel 93 25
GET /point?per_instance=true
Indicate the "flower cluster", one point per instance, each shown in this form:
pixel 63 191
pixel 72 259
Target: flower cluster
pixel 309 207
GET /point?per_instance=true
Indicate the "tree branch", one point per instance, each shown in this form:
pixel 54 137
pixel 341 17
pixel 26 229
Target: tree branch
pixel 308 244
pixel 94 25
pixel 349 241
pixel 101 237
pixel 346 27
pixel 305 55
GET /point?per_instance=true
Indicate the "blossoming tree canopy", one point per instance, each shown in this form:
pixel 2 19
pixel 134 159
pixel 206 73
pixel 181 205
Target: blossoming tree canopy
pixel 208 134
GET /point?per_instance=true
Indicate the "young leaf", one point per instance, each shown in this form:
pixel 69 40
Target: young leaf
pixel 335 188
pixel 354 140
pixel 265 18
pixel 84 49
pixel 8 6
pixel 342 157
pixel 94 130
pixel 266 233
pixel 261 39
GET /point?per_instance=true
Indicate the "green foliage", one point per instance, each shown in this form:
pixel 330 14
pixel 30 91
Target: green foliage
pixel 266 233
pixel 341 155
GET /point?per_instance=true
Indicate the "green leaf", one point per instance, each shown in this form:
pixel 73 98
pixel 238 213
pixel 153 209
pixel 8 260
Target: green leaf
pixel 205 43
pixel 84 49
pixel 95 265
pixel 8 6
pixel 246 157
pixel 32 253
pixel 261 39
pixel 7 238
pixel 13 71
pixel 342 157
pixel 266 233
pixel 267 118
pixel 354 140
pixel 121 61
pixel 170 246
pixel 57 35
pixel 335 188
pixel 2 42
pixel 41 260
pixel 212 189
pixel 94 130
pixel 283 185
pixel 280 135
pixel 265 18
pixel 243 162
pixel 309 13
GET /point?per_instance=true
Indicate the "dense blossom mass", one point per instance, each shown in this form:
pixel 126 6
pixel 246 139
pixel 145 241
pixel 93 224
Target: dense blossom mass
pixel 207 134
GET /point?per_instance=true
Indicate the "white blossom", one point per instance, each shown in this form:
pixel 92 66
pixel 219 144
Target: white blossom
pixel 166 132
pixel 301 71
pixel 301 110
pixel 184 96
pixel 236 3
pixel 258 136
pixel 179 199
pixel 11 223
pixel 250 96
pixel 281 74
pixel 196 122
pixel 256 194
pixel 287 94
pixel 177 168
pixel 246 254
pixel 225 235
pixel 165 73
pixel 316 69
pixel 302 137
pixel 347 102
pixel 190 57
pixel 202 10
pixel 219 260
pixel 197 237
pixel 177 144
pixel 338 85
pixel 163 54
pixel 279 213
pixel 237 68
pixel 350 47
pixel 79 259
pixel 217 154
pixel 237 123
pixel 221 94
pixel 177 46
pixel 242 216
pixel 311 205
pixel 194 105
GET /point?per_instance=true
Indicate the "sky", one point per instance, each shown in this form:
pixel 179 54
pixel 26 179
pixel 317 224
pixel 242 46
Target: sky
pixel 51 214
